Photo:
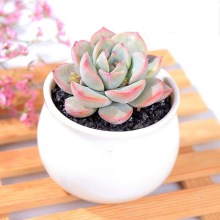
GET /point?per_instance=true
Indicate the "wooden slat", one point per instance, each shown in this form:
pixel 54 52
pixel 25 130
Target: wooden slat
pixel 39 72
pixel 32 194
pixel 168 59
pixel 195 164
pixel 188 166
pixel 3 216
pixel 199 182
pixel 12 131
pixel 191 133
pixel 172 206
pixel 191 103
pixel 180 78
pixel 199 131
pixel 20 162
pixel 212 216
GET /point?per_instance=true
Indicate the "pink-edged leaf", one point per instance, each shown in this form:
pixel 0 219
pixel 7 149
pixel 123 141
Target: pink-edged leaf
pixel 61 76
pixel 112 80
pixel 89 74
pixel 104 44
pixel 116 113
pixel 151 93
pixel 121 66
pixel 154 66
pixel 126 94
pixel 138 69
pixel 123 52
pixel 132 41
pixel 102 32
pixel 88 97
pixel 166 92
pixel 74 108
pixel 113 60
pixel 102 61
pixel 78 49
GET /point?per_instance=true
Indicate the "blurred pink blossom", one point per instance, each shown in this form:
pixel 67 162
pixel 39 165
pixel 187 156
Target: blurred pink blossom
pixel 39 32
pixel 6 91
pixel 11 46
pixel 29 117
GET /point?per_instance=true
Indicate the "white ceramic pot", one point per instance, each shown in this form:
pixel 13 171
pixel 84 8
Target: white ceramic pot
pixel 105 166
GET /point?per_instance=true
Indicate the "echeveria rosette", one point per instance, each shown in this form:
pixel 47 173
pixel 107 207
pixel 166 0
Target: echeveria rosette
pixel 112 74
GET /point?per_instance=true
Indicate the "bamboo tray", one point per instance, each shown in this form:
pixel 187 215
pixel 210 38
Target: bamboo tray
pixel 198 195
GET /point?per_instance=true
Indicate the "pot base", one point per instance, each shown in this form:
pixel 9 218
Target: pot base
pixel 106 170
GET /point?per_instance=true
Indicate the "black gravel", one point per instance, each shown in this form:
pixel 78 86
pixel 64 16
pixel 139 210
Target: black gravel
pixel 144 118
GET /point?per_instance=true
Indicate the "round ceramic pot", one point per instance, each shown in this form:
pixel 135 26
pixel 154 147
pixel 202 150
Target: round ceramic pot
pixel 105 166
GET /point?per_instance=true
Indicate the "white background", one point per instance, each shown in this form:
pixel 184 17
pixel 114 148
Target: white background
pixel 189 29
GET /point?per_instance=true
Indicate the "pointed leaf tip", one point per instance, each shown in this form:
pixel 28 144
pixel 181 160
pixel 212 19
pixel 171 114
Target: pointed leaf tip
pixel 103 44
pixel 88 97
pixel 151 93
pixel 166 92
pixel 74 108
pixel 132 41
pixel 126 94
pixel 61 76
pixel 78 49
pixel 138 69
pixel 89 74
pixel 102 61
pixel 112 80
pixel 102 32
pixel 154 66
pixel 123 53
pixel 116 113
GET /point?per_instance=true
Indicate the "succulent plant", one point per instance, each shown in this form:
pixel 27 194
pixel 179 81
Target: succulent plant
pixel 112 74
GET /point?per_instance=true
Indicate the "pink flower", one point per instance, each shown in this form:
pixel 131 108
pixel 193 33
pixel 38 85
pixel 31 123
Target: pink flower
pixel 11 33
pixel 39 32
pixel 23 117
pixel 42 9
pixel 38 13
pixel 13 17
pixel 7 45
pixel 59 24
pixel 1 8
pixel 2 98
pixel 7 95
pixel 28 76
pixel 22 50
pixel 46 8
pixel 19 5
pixel 66 42
pixel 22 85
pixel 29 117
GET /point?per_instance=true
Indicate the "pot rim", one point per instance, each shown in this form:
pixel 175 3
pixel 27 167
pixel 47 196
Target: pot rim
pixel 163 75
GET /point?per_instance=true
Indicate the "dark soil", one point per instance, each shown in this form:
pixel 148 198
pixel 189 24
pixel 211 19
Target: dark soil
pixel 144 118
